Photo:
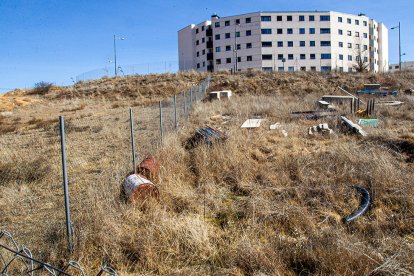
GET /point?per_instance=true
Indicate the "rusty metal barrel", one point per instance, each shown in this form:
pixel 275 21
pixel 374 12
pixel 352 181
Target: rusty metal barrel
pixel 137 188
pixel 149 167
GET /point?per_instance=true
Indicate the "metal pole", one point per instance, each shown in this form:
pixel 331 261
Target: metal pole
pixel 191 98
pixel 131 124
pixel 115 56
pixel 161 130
pixel 185 104
pixel 65 183
pixel 399 42
pixel 175 112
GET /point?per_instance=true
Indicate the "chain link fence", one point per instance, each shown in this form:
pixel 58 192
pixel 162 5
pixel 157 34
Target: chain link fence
pixel 99 153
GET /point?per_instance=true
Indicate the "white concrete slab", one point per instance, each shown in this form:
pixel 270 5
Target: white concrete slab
pixel 252 123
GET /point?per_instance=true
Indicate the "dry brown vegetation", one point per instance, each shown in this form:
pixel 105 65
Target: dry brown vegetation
pixel 258 204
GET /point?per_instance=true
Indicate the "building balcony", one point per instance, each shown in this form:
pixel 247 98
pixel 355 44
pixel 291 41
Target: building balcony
pixel 209 44
pixel 210 56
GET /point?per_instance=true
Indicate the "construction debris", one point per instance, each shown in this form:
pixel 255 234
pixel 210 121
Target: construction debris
pixel 206 135
pixel 390 103
pixel 352 127
pixel 137 188
pixel 314 114
pixel 285 133
pixel 377 90
pixel 275 126
pixel 325 105
pixel 363 207
pixel 368 122
pixel 218 95
pixel 321 129
pixel 252 123
pixel 149 167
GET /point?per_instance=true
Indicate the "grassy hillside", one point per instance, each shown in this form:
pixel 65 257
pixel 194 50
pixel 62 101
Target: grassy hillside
pixel 260 203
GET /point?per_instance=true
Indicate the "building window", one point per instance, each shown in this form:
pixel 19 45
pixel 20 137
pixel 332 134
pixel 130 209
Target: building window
pixel 349 57
pixel 312 30
pixel 325 43
pixel 365 23
pixel 204 52
pixel 356 34
pixel 340 19
pixel 290 31
pixel 280 44
pixel 357 58
pixel 217 24
pixel 311 18
pixel 228 60
pixel 280 56
pixel 237 34
pixel 290 43
pixel 267 57
pixel 248 45
pixel 279 18
pixel 365 59
pixel 218 61
pixel 302 56
pixel 197 31
pixel 279 31
pixel 349 45
pixel 313 68
pixel 227 23
pixel 198 54
pixel 281 69
pixel 197 42
pixel 198 65
pixel 349 20
pixel 356 22
pixel 341 44
pixel 237 21
pixel 202 28
pixel 326 68
pixel 302 44
pixel 325 31
pixel 312 43
pixel 365 47
pixel 248 33
pixel 325 18
pixel 301 18
pixel 266 43
pixel 267 69
pixel 291 68
pixel 238 46
pixel 349 33
pixel 302 31
pixel 217 37
pixel 289 18
pixel 312 56
pixel 340 32
pixel 266 31
pixel 228 48
pixel 203 40
pixel 325 56
pixel 218 49
pixel 227 35
pixel 341 57
pixel 303 68
pixel 204 64
pixel 290 56
pixel 365 35
pixel 248 20
pixel 266 18
pixel 249 58
pixel 238 59
pixel 357 46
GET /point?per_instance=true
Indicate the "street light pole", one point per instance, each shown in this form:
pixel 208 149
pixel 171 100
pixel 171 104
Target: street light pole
pixel 399 43
pixel 115 68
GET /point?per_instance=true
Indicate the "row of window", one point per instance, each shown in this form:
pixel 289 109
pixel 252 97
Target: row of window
pixel 303 68
pixel 301 31
pixel 281 57
pixel 202 29
pixel 279 18
pixel 236 22
pixel 349 21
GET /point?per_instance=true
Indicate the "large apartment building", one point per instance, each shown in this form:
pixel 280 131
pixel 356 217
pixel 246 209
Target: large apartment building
pixel 285 41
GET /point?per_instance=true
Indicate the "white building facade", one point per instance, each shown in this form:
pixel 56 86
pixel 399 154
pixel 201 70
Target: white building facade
pixel 405 66
pixel 285 41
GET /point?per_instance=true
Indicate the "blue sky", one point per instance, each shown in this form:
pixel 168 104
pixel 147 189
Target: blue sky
pixel 54 40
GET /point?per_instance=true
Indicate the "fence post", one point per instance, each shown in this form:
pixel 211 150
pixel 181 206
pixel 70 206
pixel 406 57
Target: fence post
pixel 185 104
pixel 65 182
pixel 191 98
pixel 175 112
pixel 195 94
pixel 161 130
pixel 131 124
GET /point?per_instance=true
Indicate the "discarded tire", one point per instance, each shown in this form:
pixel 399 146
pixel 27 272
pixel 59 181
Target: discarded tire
pixel 205 135
pixel 363 207
pixel 138 188
pixel 149 167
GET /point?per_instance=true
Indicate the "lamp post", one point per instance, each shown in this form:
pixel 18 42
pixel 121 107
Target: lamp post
pixel 235 47
pixel 399 42
pixel 115 38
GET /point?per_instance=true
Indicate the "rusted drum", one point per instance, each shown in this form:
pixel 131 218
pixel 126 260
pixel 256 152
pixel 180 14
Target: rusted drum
pixel 149 167
pixel 138 188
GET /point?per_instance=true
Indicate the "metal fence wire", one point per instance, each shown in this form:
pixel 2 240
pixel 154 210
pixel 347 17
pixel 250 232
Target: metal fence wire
pixel 101 150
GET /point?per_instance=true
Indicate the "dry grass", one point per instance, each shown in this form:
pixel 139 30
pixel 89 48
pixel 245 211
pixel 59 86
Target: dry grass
pixel 260 203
